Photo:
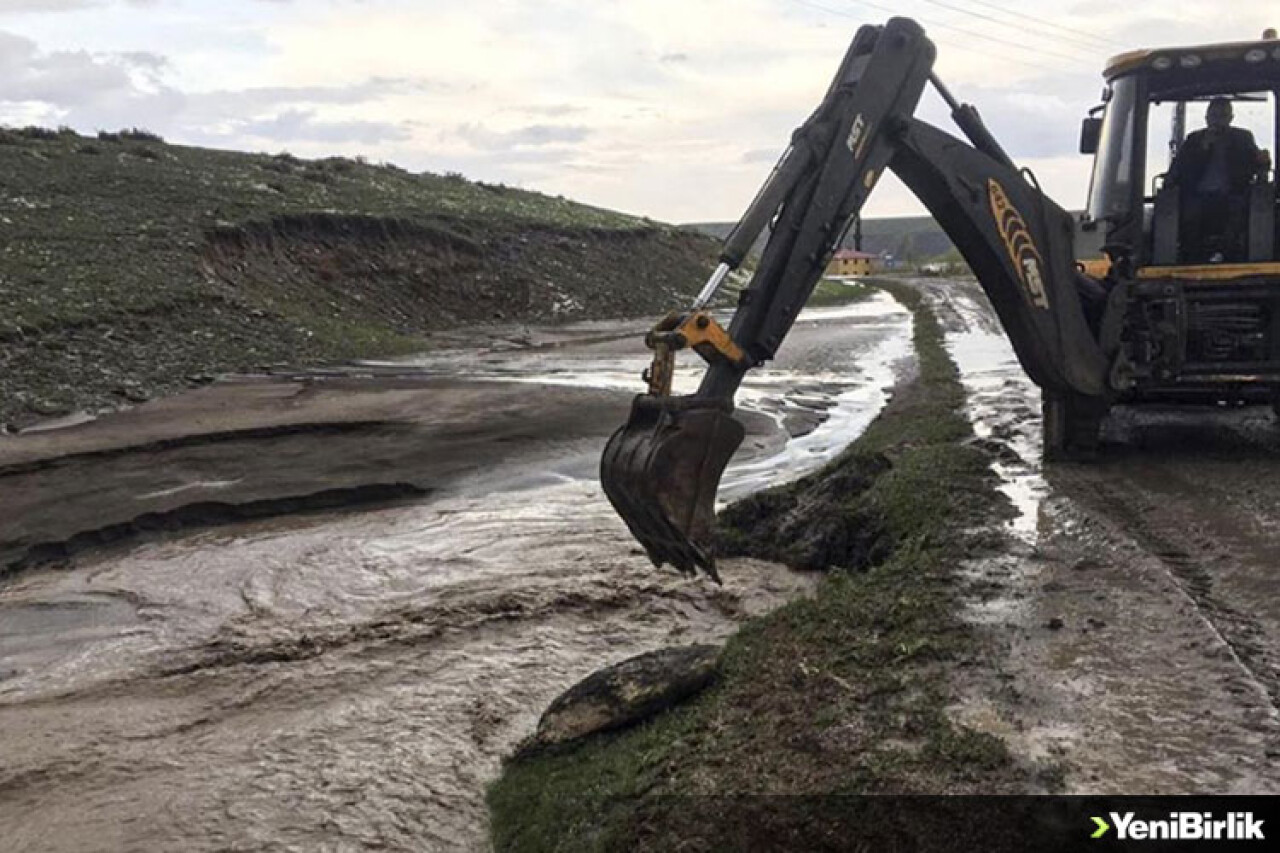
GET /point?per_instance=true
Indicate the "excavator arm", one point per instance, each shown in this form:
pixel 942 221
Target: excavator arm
pixel 662 468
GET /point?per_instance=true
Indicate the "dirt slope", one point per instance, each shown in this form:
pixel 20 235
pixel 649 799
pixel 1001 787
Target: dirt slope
pixel 131 267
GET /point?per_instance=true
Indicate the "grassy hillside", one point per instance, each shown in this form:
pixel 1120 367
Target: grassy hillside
pixel 131 267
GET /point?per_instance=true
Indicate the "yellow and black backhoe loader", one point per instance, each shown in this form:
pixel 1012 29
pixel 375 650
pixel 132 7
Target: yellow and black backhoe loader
pixel 1183 301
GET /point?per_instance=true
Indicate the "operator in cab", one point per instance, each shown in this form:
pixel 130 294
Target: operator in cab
pixel 1213 170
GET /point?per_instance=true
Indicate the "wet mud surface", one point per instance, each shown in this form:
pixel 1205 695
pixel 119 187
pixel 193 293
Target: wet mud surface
pixel 352 676
pixel 1133 607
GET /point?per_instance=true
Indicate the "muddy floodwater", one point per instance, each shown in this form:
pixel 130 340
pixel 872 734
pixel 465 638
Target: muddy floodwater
pixel 315 610
pixel 179 672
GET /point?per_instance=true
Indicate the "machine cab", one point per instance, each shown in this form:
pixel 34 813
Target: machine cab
pixel 1162 193
pixel 1188 220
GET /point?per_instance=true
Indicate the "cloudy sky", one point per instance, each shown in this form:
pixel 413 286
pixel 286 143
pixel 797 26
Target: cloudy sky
pixel 673 109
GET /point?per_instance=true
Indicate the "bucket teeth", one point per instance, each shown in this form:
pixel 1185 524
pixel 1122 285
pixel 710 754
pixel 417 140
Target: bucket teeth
pixel 661 471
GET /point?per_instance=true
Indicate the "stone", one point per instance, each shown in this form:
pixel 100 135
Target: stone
pixel 625 693
pixel 48 408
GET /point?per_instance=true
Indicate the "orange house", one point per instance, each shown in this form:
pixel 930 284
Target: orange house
pixel 847 262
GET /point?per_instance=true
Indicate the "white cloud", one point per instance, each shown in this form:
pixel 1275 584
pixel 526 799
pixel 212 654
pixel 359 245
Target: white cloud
pixel 10 6
pixel 530 136
pixel 671 108
pixel 294 125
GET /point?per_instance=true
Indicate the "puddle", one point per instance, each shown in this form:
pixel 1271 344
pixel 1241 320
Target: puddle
pixel 1004 408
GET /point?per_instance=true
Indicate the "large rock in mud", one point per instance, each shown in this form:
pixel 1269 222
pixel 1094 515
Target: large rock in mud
pixel 624 694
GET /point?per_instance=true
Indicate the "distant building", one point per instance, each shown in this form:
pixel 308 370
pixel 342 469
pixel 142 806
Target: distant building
pixel 847 262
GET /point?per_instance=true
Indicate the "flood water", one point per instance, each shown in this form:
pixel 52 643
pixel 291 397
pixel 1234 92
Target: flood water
pixel 1002 402
pixel 353 680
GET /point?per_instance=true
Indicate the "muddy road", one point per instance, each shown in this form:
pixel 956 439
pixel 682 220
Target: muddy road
pixel 315 611
pixel 1135 609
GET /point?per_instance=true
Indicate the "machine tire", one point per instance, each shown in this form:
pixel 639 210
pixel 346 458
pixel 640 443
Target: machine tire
pixel 1072 424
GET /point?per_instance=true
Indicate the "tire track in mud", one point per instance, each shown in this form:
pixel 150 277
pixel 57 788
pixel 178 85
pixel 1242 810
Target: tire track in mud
pixel 1188 550
pixel 1124 652
pixel 1156 504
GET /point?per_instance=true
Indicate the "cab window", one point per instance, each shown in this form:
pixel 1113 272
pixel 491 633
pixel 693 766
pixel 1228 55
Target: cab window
pixel 1111 189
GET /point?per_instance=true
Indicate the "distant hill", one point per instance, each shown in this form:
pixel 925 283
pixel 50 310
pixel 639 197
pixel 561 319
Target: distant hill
pixel 132 266
pixel 913 239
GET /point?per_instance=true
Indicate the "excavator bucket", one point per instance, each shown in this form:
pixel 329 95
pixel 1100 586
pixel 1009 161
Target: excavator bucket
pixel 661 471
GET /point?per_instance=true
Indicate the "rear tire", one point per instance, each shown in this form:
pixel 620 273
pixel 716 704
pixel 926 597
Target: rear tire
pixel 1072 424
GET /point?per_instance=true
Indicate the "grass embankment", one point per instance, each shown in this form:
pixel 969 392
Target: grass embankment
pixel 130 266
pixel 833 292
pixel 841 694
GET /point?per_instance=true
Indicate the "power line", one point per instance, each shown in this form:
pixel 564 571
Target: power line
pixel 1101 39
pixel 1071 42
pixel 986 37
pixel 949 45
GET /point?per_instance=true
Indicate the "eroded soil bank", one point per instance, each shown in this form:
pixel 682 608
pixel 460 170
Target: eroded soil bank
pixel 351 677
pixel 181 263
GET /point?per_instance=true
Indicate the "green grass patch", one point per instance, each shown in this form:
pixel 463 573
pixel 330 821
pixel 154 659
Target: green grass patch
pixel 844 693
pixel 832 292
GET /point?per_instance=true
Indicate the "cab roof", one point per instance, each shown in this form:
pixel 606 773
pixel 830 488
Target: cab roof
pixel 1135 60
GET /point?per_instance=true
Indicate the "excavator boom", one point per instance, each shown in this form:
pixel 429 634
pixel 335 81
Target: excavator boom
pixel 662 468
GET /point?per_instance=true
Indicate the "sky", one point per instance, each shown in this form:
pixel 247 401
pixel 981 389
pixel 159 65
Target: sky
pixel 672 109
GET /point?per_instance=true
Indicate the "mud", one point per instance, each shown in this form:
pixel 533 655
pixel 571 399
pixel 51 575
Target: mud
pixel 352 678
pixel 1134 631
pixel 414 273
